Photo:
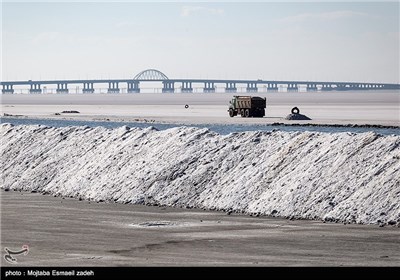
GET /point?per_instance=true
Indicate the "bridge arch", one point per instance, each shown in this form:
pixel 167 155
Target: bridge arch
pixel 151 75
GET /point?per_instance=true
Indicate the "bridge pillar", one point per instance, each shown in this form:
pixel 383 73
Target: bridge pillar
pixel 355 87
pixel 113 87
pixel 251 87
pixel 230 87
pixel 133 87
pixel 326 87
pixel 35 88
pixel 342 87
pixel 187 87
pixel 292 87
pixel 62 88
pixel 272 87
pixel 168 87
pixel 312 87
pixel 209 87
pixel 88 88
pixel 7 88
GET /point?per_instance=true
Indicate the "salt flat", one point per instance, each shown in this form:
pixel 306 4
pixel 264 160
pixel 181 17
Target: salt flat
pixel 375 107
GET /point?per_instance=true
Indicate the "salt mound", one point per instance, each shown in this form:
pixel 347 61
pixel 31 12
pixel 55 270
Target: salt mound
pixel 299 117
pixel 342 177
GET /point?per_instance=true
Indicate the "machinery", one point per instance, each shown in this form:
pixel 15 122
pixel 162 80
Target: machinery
pixel 247 106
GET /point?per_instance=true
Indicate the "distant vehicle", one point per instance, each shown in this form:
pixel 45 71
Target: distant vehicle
pixel 247 106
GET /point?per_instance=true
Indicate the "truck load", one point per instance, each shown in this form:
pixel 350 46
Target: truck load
pixel 247 106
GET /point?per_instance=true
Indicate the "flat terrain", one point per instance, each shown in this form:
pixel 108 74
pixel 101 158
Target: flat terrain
pixel 69 232
pixel 370 107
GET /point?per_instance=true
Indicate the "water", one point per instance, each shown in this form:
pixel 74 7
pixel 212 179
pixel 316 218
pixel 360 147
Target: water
pixel 222 129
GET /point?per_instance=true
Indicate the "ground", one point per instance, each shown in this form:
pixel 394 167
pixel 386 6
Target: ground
pixel 69 232
pixel 375 107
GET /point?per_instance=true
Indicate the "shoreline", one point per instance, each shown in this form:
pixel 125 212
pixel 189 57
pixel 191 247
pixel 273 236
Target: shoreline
pixel 152 121
pixel 228 212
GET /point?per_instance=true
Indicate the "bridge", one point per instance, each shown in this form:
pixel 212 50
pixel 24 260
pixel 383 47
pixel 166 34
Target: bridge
pixel 188 85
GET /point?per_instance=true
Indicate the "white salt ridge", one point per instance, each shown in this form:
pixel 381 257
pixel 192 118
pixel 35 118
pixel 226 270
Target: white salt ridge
pixel 341 177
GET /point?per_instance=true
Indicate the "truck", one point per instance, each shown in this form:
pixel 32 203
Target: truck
pixel 247 106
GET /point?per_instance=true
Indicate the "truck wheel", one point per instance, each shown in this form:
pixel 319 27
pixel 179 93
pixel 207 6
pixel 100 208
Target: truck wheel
pixel 231 113
pixel 242 113
pixel 247 113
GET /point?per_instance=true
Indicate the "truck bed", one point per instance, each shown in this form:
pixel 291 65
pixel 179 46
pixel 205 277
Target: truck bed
pixel 250 102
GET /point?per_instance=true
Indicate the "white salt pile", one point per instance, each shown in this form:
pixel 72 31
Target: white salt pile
pixel 336 177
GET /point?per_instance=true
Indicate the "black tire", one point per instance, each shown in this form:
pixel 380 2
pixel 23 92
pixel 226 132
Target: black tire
pixel 242 113
pixel 295 111
pixel 231 113
pixel 247 113
pixel 186 106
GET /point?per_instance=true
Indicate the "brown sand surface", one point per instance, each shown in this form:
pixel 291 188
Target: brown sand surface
pixel 69 232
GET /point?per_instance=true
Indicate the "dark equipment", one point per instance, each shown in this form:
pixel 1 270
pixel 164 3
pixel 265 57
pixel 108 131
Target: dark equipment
pixel 247 106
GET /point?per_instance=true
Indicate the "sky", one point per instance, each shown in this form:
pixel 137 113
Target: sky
pixel 314 41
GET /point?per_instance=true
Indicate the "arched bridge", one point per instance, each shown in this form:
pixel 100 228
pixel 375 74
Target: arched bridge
pixel 151 75
pixel 187 85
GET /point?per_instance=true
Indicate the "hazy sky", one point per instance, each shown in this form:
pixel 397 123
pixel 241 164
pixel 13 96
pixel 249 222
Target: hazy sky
pixel 336 41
